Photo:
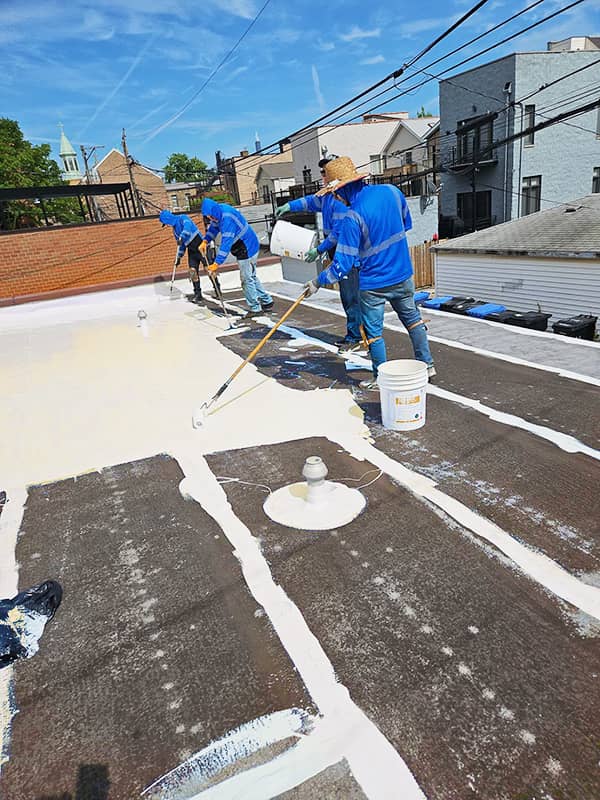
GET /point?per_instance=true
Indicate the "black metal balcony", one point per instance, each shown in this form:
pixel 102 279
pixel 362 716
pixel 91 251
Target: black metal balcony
pixel 461 158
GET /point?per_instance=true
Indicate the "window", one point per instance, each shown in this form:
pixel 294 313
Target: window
pixel 173 201
pixel 408 157
pixel 188 200
pixel 375 165
pixel 531 189
pixel 529 122
pixel 483 209
pixel 596 181
pixel 306 175
pixel 474 138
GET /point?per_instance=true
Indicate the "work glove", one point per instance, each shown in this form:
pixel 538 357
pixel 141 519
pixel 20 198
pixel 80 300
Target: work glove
pixel 178 261
pixel 203 246
pixel 281 210
pixel 312 287
pixel 213 267
pixel 312 254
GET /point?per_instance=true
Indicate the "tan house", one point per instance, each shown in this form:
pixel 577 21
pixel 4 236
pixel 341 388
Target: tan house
pixel 274 178
pixel 151 189
pixel 239 174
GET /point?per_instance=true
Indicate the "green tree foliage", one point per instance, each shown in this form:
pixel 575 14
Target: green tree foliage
pixel 182 168
pixel 23 164
pixel 218 195
pixel 423 113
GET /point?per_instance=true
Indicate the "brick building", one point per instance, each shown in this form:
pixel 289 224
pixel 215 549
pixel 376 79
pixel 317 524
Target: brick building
pixel 113 169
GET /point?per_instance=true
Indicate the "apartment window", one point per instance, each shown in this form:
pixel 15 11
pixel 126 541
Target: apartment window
pixel 408 157
pixel 531 189
pixel 483 209
pixel 596 181
pixel 529 122
pixel 173 201
pixel 474 138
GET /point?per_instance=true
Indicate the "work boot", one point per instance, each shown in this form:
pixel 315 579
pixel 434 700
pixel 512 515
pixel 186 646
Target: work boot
pixel 251 314
pixel 431 373
pixel 350 347
pixel 267 306
pixel 197 299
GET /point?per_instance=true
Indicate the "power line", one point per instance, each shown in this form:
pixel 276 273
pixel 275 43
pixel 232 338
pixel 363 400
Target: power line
pixel 186 105
pixel 303 141
pixel 392 76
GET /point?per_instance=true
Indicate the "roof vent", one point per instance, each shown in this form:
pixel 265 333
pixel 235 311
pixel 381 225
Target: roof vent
pixel 570 209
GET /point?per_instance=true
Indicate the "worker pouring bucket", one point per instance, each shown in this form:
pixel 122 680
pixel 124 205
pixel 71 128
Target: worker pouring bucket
pixel 403 389
pixel 291 240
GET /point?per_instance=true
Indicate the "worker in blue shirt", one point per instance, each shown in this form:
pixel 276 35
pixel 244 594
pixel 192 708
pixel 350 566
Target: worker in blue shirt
pixel 374 231
pixel 237 238
pixel 189 238
pixel 333 213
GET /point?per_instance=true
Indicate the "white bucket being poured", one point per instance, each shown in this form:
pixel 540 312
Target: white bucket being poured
pixel 291 240
pixel 402 388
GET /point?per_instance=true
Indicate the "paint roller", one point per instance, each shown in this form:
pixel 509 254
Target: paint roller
pixel 200 413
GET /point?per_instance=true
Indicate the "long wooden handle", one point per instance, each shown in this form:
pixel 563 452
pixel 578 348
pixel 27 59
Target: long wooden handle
pixel 262 342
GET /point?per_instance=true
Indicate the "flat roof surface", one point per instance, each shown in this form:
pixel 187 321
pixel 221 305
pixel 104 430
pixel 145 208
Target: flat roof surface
pixel 443 644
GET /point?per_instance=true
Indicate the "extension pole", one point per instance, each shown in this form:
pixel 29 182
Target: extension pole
pixel 258 347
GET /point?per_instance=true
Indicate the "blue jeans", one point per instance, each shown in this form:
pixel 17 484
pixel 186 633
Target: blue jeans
pixel 401 298
pixel 350 297
pixel 254 291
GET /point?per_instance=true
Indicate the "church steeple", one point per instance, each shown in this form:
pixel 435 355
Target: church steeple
pixel 71 171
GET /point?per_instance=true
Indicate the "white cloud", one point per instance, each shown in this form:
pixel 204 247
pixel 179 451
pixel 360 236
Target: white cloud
pixel 325 47
pixel 356 33
pixel 317 86
pixel 239 8
pixel 373 60
pixel 408 29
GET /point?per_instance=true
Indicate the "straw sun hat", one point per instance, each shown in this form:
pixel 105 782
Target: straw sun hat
pixel 338 173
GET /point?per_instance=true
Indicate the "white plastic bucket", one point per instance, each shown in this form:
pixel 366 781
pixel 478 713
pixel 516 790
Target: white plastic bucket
pixel 402 389
pixel 291 240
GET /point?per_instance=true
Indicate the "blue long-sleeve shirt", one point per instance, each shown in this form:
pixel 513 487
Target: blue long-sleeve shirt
pixel 374 232
pixel 237 236
pixel 333 213
pixel 184 229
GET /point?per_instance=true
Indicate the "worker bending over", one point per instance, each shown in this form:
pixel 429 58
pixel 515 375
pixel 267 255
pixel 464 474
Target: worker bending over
pixel 237 238
pixel 189 238
pixel 374 231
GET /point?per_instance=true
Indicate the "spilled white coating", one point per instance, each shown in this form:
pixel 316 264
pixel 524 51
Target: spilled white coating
pixel 236 745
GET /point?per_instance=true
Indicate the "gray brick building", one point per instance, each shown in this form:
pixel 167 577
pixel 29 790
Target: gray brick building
pixel 483 105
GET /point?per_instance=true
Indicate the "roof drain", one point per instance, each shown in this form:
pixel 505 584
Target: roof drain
pixel 315 504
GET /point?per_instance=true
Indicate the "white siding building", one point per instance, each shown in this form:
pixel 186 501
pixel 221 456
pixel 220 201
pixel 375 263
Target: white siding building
pixel 548 261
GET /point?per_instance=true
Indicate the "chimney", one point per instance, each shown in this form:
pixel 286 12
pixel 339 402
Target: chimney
pixel 243 153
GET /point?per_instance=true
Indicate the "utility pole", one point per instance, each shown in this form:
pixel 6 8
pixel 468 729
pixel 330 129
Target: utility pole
pixel 136 194
pixel 88 176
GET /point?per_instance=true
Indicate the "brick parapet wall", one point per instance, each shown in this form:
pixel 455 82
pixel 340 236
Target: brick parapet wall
pixel 56 262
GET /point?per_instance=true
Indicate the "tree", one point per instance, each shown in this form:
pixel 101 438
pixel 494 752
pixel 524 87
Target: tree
pixel 184 169
pixel 422 113
pixel 23 164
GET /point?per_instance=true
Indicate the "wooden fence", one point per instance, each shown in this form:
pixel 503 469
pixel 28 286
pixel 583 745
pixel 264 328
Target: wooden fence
pixel 422 259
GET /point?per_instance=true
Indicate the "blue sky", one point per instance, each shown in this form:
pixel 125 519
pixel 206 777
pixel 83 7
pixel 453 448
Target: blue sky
pixel 100 66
